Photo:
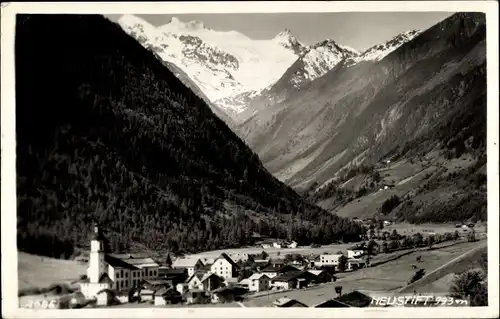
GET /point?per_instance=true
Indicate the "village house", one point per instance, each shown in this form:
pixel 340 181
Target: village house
pixel 114 271
pixel 321 275
pixel 147 294
pixel 354 253
pixel 191 264
pixel 166 296
pixel 261 263
pixel 105 297
pixel 182 288
pixel 173 276
pixel 328 260
pixel 292 280
pixel 285 302
pixel 272 271
pixel 207 261
pixel 204 281
pixel 353 264
pixel 243 257
pixel 258 282
pixel 293 244
pixel 196 297
pixel 225 267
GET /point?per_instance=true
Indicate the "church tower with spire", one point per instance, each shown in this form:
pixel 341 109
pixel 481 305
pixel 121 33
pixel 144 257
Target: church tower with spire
pixel 96 258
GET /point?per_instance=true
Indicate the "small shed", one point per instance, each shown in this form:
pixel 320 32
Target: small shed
pixel 105 297
pixel 166 296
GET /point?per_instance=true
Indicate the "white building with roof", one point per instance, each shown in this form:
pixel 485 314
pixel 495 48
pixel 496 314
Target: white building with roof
pixel 328 260
pixel 190 263
pixel 258 282
pixel 114 271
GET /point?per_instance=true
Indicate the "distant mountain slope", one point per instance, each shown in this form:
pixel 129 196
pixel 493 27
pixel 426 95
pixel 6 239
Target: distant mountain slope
pixel 421 94
pixel 107 133
pixel 314 63
pixel 222 64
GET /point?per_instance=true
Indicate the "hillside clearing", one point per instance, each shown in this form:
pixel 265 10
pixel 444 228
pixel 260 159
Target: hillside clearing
pixel 40 272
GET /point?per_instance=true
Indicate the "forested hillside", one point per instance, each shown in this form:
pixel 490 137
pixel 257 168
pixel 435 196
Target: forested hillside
pixel 106 133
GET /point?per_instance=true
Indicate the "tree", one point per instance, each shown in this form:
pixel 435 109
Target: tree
pixel 418 275
pixel 393 244
pixel 338 290
pixel 471 236
pixel 470 284
pixel 264 255
pixel 418 239
pixel 430 241
pixel 342 263
pixel 456 235
pixel 370 248
pixel 385 247
pixel 394 235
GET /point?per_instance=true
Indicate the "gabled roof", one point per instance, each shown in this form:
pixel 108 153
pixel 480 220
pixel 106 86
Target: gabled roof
pixel 197 274
pixel 287 302
pixel 332 303
pixel 355 299
pixel 316 272
pixel 257 276
pixel 208 275
pixel 107 291
pixel 142 262
pixel 226 257
pixel 186 262
pixel 290 275
pixel 166 291
pixel 104 279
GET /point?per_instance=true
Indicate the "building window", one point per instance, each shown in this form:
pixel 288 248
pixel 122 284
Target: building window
pixel 126 275
pixel 117 275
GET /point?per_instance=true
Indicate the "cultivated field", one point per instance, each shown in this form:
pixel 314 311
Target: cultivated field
pixel 41 272
pixel 388 277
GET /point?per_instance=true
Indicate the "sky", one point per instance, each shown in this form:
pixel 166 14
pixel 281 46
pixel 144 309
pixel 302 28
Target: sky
pixel 359 30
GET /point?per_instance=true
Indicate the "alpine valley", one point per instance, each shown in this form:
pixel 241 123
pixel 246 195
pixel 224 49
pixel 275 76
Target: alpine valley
pixel 324 117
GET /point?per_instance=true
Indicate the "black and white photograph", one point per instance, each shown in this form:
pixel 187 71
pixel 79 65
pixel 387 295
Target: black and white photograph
pixel 193 157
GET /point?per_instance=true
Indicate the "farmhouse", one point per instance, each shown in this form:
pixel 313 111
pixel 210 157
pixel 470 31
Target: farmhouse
pixel 241 256
pixel 173 276
pixel 258 282
pixel 190 264
pixel 225 267
pixel 105 297
pixel 292 244
pixel 272 271
pixel 167 296
pixel 321 275
pixel 292 280
pixel 353 264
pixel 328 260
pixel 354 253
pixel 112 271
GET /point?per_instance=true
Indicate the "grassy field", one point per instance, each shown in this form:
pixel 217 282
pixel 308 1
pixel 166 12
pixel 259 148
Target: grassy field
pixel 41 272
pixel 388 277
pixel 273 252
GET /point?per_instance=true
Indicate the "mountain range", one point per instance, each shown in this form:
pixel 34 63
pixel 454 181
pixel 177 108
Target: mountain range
pixel 423 104
pixel 113 136
pixel 233 70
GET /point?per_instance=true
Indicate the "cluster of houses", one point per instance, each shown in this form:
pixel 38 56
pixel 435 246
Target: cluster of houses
pixel 278 244
pixel 120 278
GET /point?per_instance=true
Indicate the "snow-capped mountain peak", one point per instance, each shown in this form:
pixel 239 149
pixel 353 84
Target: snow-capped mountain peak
pixel 221 63
pixel 379 51
pixel 287 40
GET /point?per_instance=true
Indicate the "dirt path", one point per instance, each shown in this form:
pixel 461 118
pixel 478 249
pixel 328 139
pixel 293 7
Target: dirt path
pixel 437 272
